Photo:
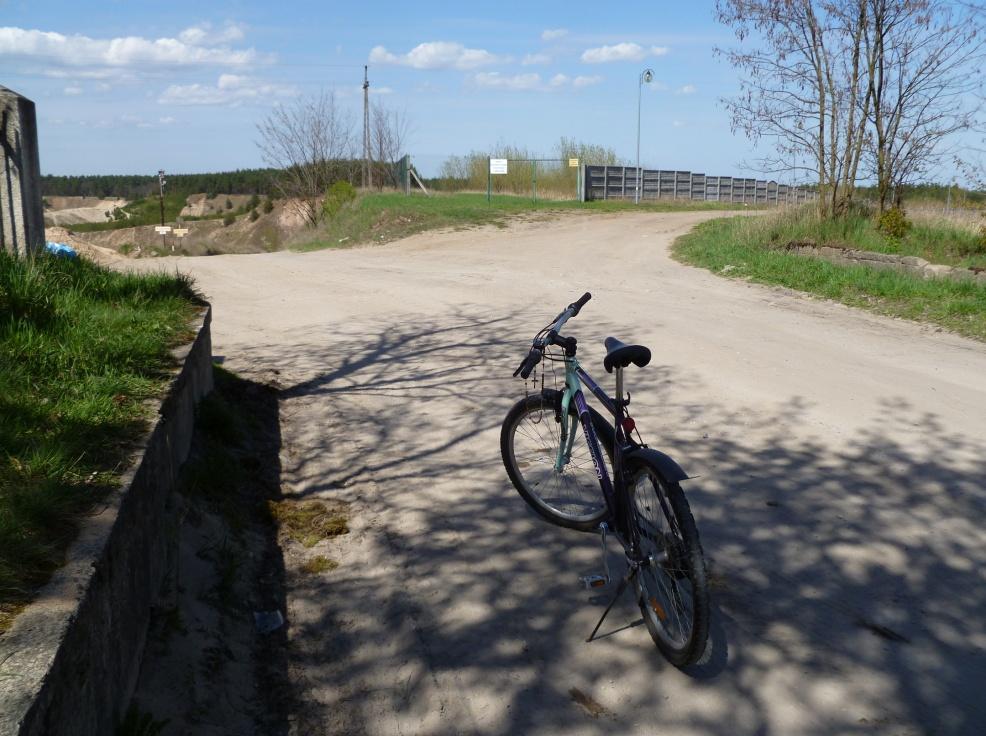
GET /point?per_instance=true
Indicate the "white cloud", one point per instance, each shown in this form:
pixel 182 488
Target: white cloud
pixel 586 81
pixel 532 82
pixel 678 124
pixel 167 120
pixel 495 80
pixel 129 51
pixel 553 33
pixel 535 59
pixel 688 89
pixel 435 55
pixel 73 90
pixel 621 52
pixel 230 90
pixel 103 87
pixel 202 34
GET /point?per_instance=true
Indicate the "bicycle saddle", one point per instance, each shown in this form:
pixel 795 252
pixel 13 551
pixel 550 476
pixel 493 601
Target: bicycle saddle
pixel 620 355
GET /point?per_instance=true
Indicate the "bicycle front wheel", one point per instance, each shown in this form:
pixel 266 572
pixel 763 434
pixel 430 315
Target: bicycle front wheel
pixel 672 589
pixel 529 442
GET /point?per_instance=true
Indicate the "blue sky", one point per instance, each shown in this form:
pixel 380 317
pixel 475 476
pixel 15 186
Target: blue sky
pixel 131 87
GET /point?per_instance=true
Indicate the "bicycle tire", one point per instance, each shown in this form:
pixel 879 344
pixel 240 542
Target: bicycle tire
pixel 664 586
pixel 578 502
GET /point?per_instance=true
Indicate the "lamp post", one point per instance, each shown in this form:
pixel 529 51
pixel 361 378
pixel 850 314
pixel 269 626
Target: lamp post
pixel 645 77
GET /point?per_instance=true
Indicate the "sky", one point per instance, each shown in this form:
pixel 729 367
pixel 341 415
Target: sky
pixel 128 86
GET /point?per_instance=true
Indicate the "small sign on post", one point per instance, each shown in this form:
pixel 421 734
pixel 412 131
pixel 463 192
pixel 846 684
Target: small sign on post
pixel 181 232
pixel 573 163
pixel 498 166
pixel 162 229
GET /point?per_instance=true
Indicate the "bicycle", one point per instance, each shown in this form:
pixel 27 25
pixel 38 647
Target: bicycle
pixel 637 498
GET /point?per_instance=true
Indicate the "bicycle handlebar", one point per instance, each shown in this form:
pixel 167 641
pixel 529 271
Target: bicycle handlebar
pixel 537 349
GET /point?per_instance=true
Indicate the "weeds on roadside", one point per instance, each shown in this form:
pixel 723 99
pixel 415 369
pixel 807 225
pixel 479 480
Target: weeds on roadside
pixel 81 349
pixel 742 247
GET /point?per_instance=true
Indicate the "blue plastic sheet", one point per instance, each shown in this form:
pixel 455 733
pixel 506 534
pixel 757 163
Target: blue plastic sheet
pixel 61 250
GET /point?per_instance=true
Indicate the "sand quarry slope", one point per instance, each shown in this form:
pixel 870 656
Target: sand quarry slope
pixel 840 490
pixel 65 211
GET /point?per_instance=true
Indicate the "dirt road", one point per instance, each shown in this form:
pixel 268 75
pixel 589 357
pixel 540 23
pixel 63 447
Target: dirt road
pixel 841 490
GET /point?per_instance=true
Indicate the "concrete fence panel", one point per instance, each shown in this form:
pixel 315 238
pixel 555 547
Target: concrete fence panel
pixel 21 214
pixel 621 182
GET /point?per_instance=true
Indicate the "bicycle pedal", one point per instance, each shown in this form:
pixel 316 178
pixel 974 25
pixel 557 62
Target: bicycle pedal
pixel 594 581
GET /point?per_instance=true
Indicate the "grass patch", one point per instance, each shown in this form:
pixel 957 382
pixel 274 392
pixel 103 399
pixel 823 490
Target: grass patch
pixel 935 241
pixel 318 564
pixel 81 349
pixel 384 217
pixel 309 522
pixel 752 249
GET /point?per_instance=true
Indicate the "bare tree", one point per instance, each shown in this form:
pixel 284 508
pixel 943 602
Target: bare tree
pixel 310 144
pixel 924 66
pixel 389 131
pixel 804 89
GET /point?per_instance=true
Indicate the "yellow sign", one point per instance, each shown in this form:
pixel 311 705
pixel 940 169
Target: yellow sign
pixel 573 163
pixel 181 232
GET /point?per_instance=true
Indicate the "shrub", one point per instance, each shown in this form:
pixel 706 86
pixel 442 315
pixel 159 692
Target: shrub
pixel 229 203
pixel 228 219
pixel 127 248
pixel 339 194
pixel 894 223
pixel 254 201
pixel 268 205
pixel 254 215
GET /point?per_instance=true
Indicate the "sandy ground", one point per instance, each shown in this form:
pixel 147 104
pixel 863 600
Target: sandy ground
pixel 841 490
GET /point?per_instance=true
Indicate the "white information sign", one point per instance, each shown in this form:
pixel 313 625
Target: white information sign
pixel 162 229
pixel 181 232
pixel 573 163
pixel 498 166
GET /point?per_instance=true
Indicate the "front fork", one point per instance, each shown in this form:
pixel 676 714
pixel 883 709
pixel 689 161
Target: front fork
pixel 568 425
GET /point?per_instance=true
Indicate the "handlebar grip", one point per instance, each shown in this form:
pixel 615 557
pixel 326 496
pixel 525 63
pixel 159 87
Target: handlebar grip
pixel 528 364
pixel 576 307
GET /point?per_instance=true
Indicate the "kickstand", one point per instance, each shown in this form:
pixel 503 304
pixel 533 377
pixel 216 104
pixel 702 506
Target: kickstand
pixel 631 573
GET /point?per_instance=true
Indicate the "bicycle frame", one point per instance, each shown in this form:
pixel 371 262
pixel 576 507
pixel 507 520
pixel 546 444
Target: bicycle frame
pixel 613 489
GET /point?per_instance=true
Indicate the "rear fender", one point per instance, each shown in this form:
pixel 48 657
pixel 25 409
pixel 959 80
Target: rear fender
pixel 669 469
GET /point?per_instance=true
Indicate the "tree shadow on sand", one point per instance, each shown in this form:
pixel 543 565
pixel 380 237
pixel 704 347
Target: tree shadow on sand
pixel 848 582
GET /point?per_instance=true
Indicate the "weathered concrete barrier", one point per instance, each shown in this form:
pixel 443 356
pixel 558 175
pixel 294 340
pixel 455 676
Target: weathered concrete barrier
pixel 22 227
pixel 906 264
pixel 69 663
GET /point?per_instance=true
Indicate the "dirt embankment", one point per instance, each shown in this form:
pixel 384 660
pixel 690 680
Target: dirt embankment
pixel 200 205
pixel 65 211
pixel 268 232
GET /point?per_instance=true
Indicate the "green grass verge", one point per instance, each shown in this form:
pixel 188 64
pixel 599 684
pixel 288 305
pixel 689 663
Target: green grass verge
pixel 740 247
pixel 81 349
pixel 385 217
pixel 937 242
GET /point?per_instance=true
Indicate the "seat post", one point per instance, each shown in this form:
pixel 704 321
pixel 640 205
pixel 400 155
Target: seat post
pixel 618 404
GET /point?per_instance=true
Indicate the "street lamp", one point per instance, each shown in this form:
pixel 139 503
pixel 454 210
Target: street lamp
pixel 645 78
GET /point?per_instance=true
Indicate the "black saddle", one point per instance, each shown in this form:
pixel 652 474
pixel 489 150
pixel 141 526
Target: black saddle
pixel 620 355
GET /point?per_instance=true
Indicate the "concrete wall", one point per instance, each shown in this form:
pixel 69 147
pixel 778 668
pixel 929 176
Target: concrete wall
pixel 620 182
pixel 69 663
pixel 22 228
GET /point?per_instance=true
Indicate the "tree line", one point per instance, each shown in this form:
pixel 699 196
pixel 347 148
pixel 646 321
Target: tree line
pixel 136 186
pixel 857 90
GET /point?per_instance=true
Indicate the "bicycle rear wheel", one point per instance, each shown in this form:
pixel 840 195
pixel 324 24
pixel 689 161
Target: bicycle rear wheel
pixel 673 593
pixel 529 441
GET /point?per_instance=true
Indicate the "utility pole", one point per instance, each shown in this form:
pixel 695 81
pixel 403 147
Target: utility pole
pixel 161 182
pixel 367 172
